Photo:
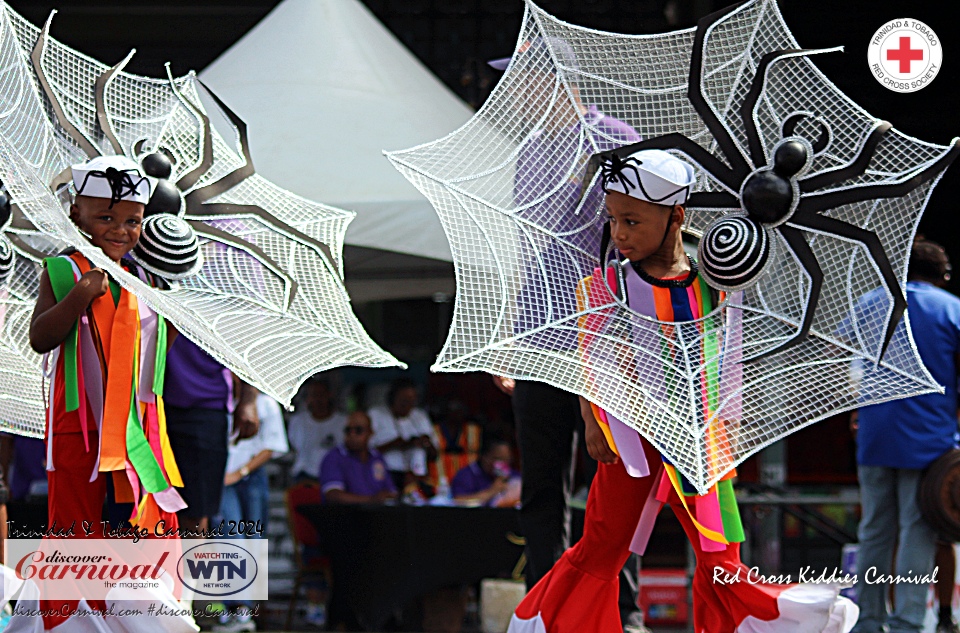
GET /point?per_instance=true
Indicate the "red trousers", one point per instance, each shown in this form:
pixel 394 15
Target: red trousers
pixel 72 500
pixel 579 595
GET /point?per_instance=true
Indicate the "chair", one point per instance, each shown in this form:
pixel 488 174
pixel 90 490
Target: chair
pixel 303 533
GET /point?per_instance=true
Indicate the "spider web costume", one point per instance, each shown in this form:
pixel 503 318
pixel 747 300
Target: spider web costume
pixel 256 270
pixel 804 203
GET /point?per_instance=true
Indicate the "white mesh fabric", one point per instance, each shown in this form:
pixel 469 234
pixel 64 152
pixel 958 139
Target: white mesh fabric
pixel 522 239
pixel 274 325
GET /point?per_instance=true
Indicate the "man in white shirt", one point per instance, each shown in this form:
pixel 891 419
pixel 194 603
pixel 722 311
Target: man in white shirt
pixel 313 431
pixel 403 434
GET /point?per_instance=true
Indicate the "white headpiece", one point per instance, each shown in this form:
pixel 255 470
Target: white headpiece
pixel 113 177
pixel 650 174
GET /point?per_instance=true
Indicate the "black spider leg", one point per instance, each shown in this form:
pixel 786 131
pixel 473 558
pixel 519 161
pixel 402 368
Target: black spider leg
pixel 221 236
pixel 731 177
pixel 749 106
pixel 815 202
pixel 856 167
pixel 190 178
pixel 613 171
pixel 100 90
pixel 196 199
pixel 797 243
pixel 200 227
pixel 36 58
pixel 738 164
pixel 870 240
pixel 807 216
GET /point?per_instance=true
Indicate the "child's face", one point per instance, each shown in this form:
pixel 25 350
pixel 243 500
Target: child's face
pixel 115 230
pixel 637 227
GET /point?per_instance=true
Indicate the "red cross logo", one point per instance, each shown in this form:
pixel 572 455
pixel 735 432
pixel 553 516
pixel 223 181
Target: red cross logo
pixel 905 54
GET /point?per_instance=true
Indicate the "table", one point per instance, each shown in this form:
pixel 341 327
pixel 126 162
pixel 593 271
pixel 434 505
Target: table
pixel 383 557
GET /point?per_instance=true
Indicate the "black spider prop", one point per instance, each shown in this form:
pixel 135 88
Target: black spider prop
pixel 779 198
pixel 613 170
pixel 121 182
pixel 181 198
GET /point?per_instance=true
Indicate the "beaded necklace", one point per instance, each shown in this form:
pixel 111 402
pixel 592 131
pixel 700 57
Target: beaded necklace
pixel 668 283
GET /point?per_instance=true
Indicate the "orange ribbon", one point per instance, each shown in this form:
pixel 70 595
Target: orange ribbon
pixel 118 327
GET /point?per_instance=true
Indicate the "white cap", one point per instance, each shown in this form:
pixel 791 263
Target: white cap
pixel 112 177
pixel 650 174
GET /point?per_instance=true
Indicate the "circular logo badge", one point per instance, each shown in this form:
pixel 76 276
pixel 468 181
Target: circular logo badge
pixel 905 55
pixel 217 569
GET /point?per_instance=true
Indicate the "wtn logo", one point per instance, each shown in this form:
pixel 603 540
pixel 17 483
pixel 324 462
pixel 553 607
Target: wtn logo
pixel 218 568
pixel 225 569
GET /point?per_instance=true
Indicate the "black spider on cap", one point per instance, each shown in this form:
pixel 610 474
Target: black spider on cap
pixel 612 171
pixel 780 198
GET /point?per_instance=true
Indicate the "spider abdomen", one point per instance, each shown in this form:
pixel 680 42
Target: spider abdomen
pixel 733 252
pixel 168 247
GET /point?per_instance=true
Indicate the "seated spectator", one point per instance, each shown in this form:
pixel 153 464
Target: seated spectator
pixel 458 442
pixel 403 433
pixel 489 480
pixel 353 472
pixel 24 463
pixel 246 496
pixel 314 430
pixel 246 491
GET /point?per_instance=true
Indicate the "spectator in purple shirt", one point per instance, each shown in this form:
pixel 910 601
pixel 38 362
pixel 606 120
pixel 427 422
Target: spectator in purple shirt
pixel 353 472
pixel 199 396
pixel 489 480
pixel 24 463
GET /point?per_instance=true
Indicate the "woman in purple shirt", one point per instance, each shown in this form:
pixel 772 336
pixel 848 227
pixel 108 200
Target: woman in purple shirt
pixel 489 480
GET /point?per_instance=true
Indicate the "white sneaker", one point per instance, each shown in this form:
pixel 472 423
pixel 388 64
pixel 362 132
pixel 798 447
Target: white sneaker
pixel 634 623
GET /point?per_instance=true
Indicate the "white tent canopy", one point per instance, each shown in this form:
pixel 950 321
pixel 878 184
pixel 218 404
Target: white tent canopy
pixel 324 87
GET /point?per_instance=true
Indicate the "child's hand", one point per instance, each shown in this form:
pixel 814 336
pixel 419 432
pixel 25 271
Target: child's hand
pixel 93 284
pixel 597 446
pixel 594 437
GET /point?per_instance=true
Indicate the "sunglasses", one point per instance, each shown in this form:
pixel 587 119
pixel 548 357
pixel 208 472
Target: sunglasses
pixel 359 430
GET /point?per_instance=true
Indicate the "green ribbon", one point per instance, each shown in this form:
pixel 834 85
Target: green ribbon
pixel 710 348
pixel 160 360
pixel 138 448
pixel 114 291
pixel 729 513
pixel 60 274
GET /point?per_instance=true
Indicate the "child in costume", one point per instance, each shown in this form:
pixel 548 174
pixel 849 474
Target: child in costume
pixel 104 350
pixel 645 205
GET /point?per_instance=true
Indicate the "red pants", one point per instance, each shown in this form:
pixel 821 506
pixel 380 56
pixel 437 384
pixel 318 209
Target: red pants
pixel 72 500
pixel 579 594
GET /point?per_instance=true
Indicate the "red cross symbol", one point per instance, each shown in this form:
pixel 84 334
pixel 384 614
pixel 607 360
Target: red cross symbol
pixel 904 54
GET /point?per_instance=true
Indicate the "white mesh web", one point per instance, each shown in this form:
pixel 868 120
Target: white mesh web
pixel 507 188
pixel 274 326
